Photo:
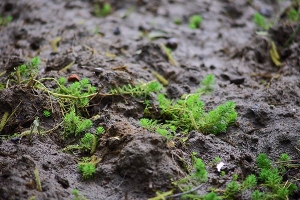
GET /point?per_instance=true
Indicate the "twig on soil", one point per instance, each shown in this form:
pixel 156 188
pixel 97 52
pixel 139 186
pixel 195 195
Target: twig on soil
pixel 37 179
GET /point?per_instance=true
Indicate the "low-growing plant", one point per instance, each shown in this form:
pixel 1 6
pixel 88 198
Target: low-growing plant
pixel 138 90
pixel 195 21
pixel 88 167
pixel 24 73
pixel 261 21
pixel 189 113
pixel 102 10
pixel 77 195
pixel 47 113
pixel 74 125
pixel 269 181
pixel 5 20
pixel 100 130
pixel 293 15
pixel 78 92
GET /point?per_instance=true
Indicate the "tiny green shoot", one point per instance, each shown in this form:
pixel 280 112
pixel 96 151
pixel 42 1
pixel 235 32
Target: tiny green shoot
pixel 5 20
pixel 102 11
pixel 261 21
pixel 47 113
pixel 293 15
pixel 195 21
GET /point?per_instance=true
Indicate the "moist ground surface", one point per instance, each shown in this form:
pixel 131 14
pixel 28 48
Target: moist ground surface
pixel 124 48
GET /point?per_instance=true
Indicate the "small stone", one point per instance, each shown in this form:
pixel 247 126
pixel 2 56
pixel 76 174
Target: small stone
pixel 73 78
pixel 172 43
pixel 117 31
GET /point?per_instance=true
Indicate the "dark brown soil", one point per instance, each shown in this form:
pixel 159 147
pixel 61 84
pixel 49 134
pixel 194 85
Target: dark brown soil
pixel 135 162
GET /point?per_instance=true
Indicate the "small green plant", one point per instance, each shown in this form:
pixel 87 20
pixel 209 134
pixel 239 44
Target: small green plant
pixel 88 143
pixel 77 93
pixel 28 70
pixel 198 175
pixel 222 173
pixel 293 15
pixel 138 90
pixel 77 195
pixel 102 10
pixel 88 167
pixel 100 130
pixel 47 113
pixel 195 21
pixel 74 125
pixel 166 130
pixel 5 20
pixel 189 113
pixel 261 21
pixel 271 178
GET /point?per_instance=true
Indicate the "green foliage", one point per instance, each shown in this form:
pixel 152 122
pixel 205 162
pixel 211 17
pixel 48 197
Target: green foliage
pixel 5 20
pixel 249 182
pixel 88 167
pixel 188 113
pixel 222 173
pixel 263 161
pixel 235 177
pixel 139 90
pixel 78 92
pixel 257 195
pixel 211 196
pixel 271 177
pixel 27 70
pixel 198 175
pixel 195 21
pixel 293 15
pixel 284 157
pixel 218 119
pixel 88 142
pixel 232 189
pixel 166 130
pixel 100 130
pixel 200 171
pixel 87 170
pixel 47 113
pixel 74 125
pixel 102 10
pixel 77 195
pixel 261 21
pixel 216 160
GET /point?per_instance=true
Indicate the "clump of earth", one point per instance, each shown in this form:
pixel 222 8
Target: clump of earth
pixel 124 47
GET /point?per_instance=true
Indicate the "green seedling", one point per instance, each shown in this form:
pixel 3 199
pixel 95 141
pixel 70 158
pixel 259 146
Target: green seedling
pixel 195 21
pixel 26 72
pixel 139 90
pixel 100 130
pixel 47 113
pixel 271 178
pixel 78 92
pixel 88 167
pixel 102 11
pixel 5 20
pixel 74 125
pixel 189 113
pixel 77 195
pixel 293 15
pixel 269 182
pixel 261 21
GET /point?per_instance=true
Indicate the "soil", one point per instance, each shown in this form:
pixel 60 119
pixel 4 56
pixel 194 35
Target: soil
pixel 115 50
